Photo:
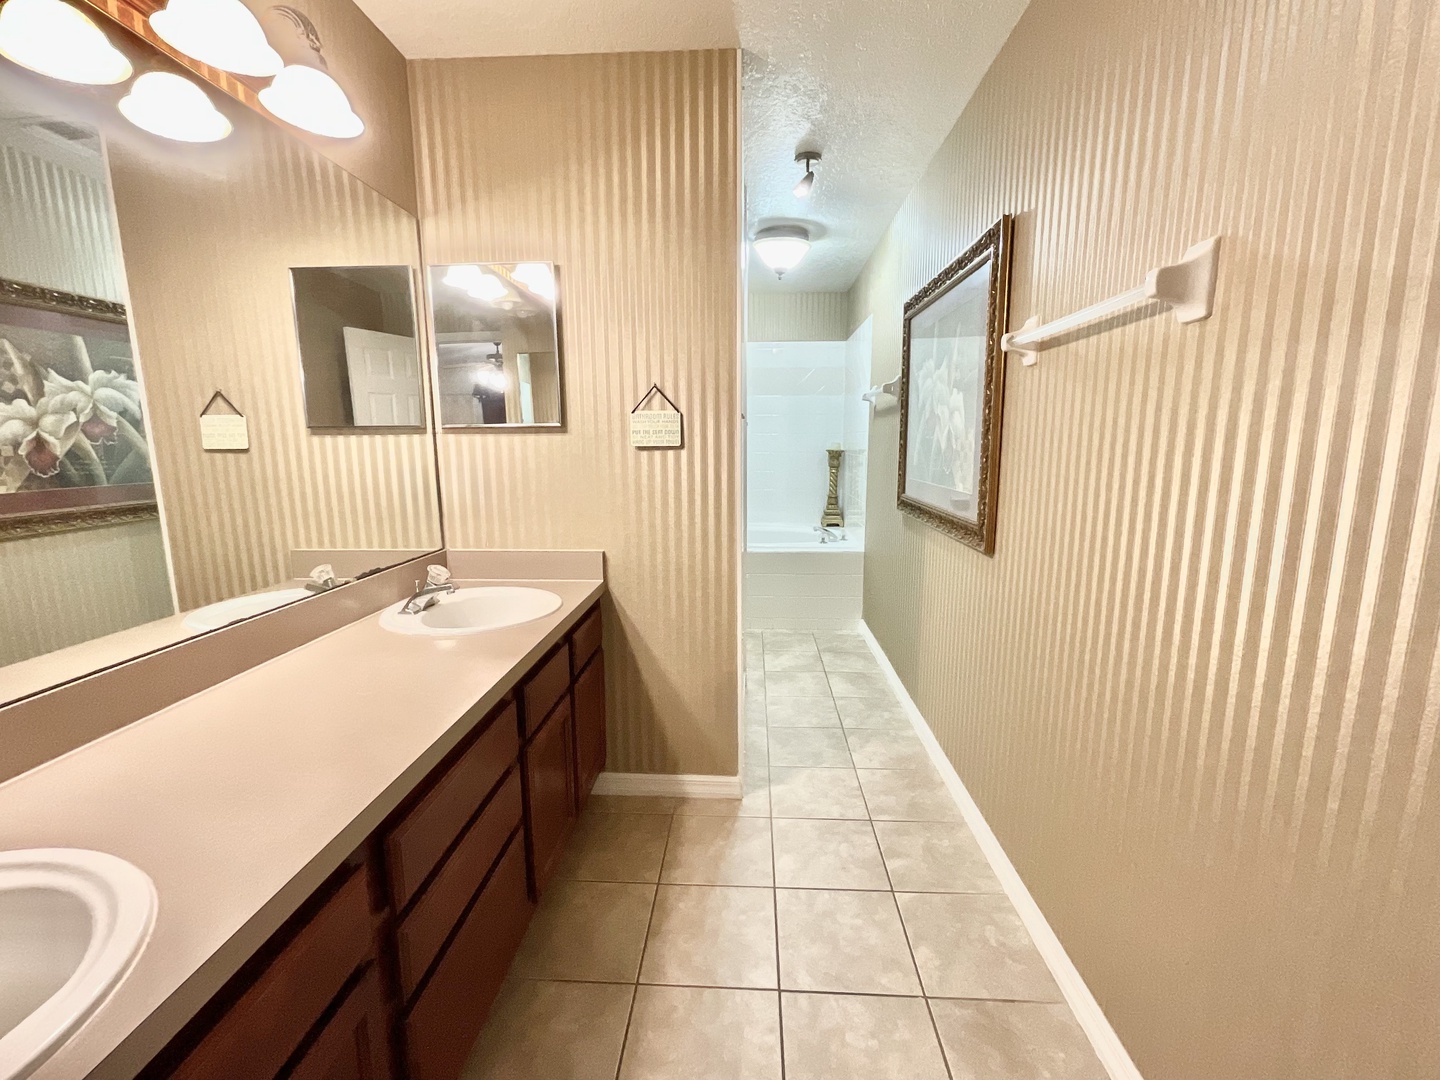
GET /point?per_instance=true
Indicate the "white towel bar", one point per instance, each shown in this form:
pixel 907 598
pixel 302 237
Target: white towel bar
pixel 891 388
pixel 1188 287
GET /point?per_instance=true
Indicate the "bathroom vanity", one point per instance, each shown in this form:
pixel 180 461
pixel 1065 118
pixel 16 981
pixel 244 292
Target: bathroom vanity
pixel 390 968
pixel 347 844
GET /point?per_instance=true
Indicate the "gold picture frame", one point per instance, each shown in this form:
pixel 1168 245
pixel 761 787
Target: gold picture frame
pixel 952 391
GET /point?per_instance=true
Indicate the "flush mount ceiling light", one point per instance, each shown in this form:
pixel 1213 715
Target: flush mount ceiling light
pixel 56 40
pixel 808 159
pixel 173 107
pixel 538 278
pixel 311 100
pixel 782 247
pixel 222 33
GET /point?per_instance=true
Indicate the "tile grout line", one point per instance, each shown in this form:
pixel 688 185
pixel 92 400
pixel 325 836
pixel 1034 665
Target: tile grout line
pixel 775 888
pixel 645 944
pixel 909 945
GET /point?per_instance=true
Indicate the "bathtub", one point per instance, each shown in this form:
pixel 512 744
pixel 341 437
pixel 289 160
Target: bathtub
pixel 797 538
pixel 794 582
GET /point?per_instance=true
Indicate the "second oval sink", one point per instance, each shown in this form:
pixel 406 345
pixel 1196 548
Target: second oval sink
pixel 473 611
pixel 72 923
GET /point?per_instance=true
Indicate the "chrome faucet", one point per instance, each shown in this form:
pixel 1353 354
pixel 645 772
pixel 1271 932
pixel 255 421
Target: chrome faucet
pixel 828 535
pixel 425 597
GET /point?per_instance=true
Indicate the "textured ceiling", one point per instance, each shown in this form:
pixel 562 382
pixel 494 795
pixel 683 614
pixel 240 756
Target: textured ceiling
pixel 876 85
pixel 435 28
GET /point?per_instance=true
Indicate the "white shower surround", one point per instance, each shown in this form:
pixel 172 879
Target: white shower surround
pixel 803 397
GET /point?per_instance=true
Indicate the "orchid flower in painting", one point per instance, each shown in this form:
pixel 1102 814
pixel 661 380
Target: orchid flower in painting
pixel 41 434
pixel 98 403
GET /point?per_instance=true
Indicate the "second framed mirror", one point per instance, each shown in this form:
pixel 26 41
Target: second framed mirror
pixel 497 345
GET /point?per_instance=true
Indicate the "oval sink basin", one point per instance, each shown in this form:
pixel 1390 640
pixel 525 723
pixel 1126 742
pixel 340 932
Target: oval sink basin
pixel 72 923
pixel 241 607
pixel 473 611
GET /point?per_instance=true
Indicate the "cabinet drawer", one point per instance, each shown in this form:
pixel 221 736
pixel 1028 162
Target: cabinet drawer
pixel 585 642
pixel 454 1005
pixel 546 687
pixel 436 913
pixel 416 844
pixel 355 1043
pixel 265 1026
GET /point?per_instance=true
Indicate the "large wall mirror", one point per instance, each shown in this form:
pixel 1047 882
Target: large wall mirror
pixel 497 345
pixel 141 276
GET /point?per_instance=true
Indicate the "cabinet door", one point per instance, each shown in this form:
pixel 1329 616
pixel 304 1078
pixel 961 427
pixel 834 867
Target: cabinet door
pixel 589 727
pixel 255 1037
pixel 549 771
pixel 355 1044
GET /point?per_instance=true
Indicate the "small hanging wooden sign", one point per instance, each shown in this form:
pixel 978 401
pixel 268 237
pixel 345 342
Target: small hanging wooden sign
pixel 656 429
pixel 223 431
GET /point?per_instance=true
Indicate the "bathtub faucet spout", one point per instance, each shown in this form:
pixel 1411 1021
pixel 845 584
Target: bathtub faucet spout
pixel 828 535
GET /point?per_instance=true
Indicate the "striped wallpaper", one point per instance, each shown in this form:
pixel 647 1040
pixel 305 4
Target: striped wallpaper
pixel 1196 691
pixel 57 225
pixel 208 242
pixel 794 316
pixel 623 170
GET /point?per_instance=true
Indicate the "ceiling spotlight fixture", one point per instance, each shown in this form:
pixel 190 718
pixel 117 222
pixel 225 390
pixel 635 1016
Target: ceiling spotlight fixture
pixel 808 159
pixel 173 107
pixel 55 39
pixel 781 247
pixel 222 33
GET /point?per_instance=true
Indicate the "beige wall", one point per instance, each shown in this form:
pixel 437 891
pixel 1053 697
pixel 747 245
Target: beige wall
pixel 621 169
pixel 372 71
pixel 1196 690
pixel 781 316
pixel 217 315
pixel 64 588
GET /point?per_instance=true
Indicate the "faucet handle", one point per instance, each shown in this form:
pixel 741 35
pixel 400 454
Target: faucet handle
pixel 437 575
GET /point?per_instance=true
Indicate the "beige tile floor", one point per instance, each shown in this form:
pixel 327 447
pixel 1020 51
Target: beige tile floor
pixel 837 923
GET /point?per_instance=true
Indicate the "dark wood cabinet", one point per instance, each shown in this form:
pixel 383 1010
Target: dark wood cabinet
pixel 589 726
pixel 550 784
pixel 389 971
pixel 272 1011
pixel 455 1003
pixel 354 1044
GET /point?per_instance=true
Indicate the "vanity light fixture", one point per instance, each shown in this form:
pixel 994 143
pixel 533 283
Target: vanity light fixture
pixel 222 33
pixel 57 40
pixel 476 282
pixel 538 278
pixel 808 158
pixel 782 247
pixel 311 100
pixel 173 107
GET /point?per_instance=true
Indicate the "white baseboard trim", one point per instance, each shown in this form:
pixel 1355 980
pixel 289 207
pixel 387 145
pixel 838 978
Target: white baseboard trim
pixel 1108 1047
pixel 692 786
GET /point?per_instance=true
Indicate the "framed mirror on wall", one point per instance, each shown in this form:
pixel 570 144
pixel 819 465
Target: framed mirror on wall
pixel 359 349
pixel 497 345
pixel 141 275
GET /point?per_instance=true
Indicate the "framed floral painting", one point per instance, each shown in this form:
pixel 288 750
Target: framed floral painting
pixel 73 444
pixel 952 388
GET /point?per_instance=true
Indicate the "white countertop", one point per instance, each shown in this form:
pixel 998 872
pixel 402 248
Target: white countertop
pixel 240 801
